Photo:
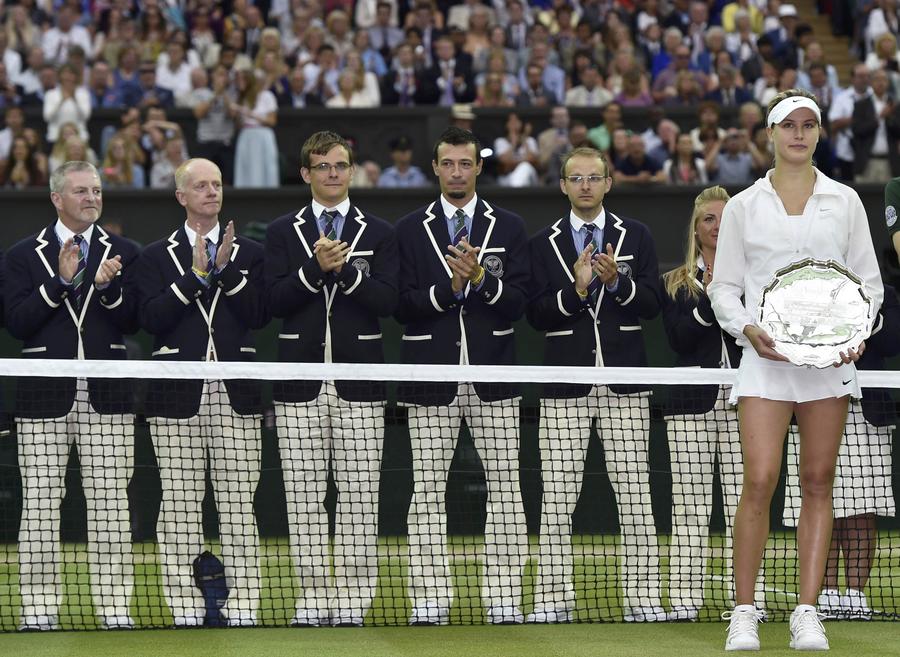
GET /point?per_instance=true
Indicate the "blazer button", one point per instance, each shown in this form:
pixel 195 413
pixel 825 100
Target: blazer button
pixel 463 312
pixel 63 295
pixel 211 330
pixel 342 285
pixel 319 282
pixel 458 343
pixel 323 344
pixel 198 294
pixel 81 329
pixel 594 351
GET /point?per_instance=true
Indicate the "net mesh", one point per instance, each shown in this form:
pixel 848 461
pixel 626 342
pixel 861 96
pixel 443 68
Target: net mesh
pixel 155 494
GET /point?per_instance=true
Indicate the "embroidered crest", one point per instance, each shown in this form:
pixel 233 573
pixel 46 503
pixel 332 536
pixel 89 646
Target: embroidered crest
pixel 362 265
pixel 624 269
pixel 494 265
pixel 890 215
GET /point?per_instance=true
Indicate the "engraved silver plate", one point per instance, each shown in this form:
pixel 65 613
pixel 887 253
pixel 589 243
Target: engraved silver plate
pixel 814 310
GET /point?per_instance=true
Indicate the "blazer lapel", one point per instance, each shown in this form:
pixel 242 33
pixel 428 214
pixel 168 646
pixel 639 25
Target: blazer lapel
pixel 306 229
pixel 563 246
pixel 354 227
pixel 436 229
pixel 482 227
pixel 180 251
pixel 47 249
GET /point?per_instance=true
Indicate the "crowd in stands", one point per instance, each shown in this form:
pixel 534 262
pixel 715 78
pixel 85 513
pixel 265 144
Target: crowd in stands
pixel 236 63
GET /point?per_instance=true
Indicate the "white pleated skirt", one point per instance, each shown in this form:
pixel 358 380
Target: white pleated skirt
pixel 769 379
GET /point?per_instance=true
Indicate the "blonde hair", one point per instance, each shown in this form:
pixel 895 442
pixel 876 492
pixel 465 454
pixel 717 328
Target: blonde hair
pixel 685 275
pixel 127 160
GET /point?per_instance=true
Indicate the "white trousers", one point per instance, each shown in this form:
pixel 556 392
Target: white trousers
pixel 433 432
pixel 695 441
pixel 230 443
pixel 105 446
pixel 346 437
pixel 623 424
pixel 862 478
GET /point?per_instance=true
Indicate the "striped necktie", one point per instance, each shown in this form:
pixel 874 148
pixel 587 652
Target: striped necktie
pixel 78 279
pixel 330 216
pixel 210 255
pixel 460 231
pixel 590 239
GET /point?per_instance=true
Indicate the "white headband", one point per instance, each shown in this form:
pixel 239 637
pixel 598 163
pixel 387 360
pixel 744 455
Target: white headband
pixel 781 110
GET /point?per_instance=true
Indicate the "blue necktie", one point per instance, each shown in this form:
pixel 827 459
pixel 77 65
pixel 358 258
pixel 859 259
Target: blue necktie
pixel 460 231
pixel 590 240
pixel 78 279
pixel 330 217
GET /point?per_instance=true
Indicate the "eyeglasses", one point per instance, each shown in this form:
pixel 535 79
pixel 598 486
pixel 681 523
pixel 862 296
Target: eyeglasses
pixel 591 180
pixel 324 167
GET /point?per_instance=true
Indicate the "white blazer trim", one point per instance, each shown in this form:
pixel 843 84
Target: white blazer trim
pixel 557 334
pixel 635 327
pixel 248 350
pixel 630 296
pixel 430 216
pixel 34 350
pixel 699 319
pixel 117 346
pixel 237 288
pixel 508 331
pixel 416 338
pixel 362 228
pixel 47 297
pixel 434 302
pixel 306 282
pixel 179 294
pixel 300 221
pixel 359 277
pixel 115 303
pixel 559 304
pixel 499 292
pixel 288 336
pixel 566 268
pixel 373 336
pixel 164 351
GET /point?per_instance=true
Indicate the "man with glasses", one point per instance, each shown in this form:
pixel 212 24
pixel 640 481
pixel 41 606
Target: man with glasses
pixel 331 273
pixel 594 278
pixel 463 283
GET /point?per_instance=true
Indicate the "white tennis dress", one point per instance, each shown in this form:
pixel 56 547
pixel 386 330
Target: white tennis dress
pixel 756 238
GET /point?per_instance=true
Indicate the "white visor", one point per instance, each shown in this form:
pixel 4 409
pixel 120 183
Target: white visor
pixel 780 112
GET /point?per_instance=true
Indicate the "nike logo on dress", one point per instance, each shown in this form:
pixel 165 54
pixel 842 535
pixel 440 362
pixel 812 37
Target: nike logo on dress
pixel 846 382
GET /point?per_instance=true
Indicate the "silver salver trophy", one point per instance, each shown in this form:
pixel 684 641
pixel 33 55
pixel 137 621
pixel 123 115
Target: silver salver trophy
pixel 814 310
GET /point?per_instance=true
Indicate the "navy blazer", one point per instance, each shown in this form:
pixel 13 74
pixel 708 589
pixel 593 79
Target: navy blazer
pixel 879 407
pixel 697 339
pixel 186 319
pixel 40 311
pixel 576 329
pixel 431 312
pixel 349 303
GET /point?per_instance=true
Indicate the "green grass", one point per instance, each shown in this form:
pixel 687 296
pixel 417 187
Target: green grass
pixel 596 581
pixel 670 640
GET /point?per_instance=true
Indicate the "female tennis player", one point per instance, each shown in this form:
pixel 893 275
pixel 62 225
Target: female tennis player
pixel 793 212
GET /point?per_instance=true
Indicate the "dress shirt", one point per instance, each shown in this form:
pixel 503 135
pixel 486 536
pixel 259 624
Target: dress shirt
pixel 343 209
pixel 599 224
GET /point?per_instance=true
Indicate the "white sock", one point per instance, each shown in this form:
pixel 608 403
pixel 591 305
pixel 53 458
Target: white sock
pixel 801 608
pixel 739 608
pixel 831 591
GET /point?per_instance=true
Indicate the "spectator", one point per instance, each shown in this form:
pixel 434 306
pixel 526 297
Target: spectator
pixel 68 142
pixel 665 86
pixel 14 118
pixel 884 55
pixel 256 154
pixel 492 94
pixel 553 76
pixel 817 84
pixel 634 90
pixel 650 43
pixel 213 109
pixel 67 102
pixel 679 17
pixel 761 150
pixel 591 92
pixel 119 168
pixel 22 33
pixel 459 15
pixel 271 71
pixel 153 32
pixel 349 92
pixel 696 30
pixel 451 74
pixel 57 40
pixel 742 42
pixel 750 115
pixel 157 130
pixel 162 175
pixel 203 37
pixel 175 75
pixel 686 167
pixel 9 57
pixel 496 63
pixel 815 54
pixel 667 135
pixel 534 93
pixel 554 138
pixel 366 81
pixel 428 20
pixel 728 93
pixel 730 16
pixel 517 154
pixel 883 19
pixel 338 32
pixel 730 162
pixel 322 74
pixel 635 166
pixel 100 89
pixel 672 40
pixel 402 173
pixel 126 81
pixel 406 85
pixel 384 35
pixel 714 50
pixel 788 19
pixel 873 145
pixel 497 48
pixel 299 97
pixel 9 96
pixel 577 138
pixel 48 81
pixel 601 136
pixel 372 60
pixel 365 14
pixel 688 92
pixel 150 94
pixel 121 33
pixel 29 80
pixel 753 67
pixel 708 116
pixel 22 169
pixel 478 37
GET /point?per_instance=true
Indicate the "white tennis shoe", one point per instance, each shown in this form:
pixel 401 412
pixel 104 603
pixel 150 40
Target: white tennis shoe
pixel 743 630
pixel 807 631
